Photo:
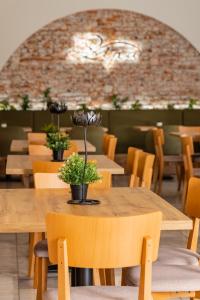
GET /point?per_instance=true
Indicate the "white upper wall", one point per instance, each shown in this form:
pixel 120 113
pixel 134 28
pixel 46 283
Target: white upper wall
pixel 20 18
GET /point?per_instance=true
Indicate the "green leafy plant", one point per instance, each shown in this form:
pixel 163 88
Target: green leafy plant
pixel 56 141
pixel 47 97
pixel 50 128
pixel 171 106
pixel 5 105
pixel 117 101
pixel 25 105
pixel 191 103
pixel 72 171
pixel 136 105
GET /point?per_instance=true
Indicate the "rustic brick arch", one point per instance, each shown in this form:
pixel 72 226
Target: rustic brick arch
pixel 167 69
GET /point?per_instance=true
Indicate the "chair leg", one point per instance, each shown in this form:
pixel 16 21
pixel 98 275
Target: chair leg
pixel 160 179
pixel 155 176
pixel 35 278
pixel 110 277
pixel 42 277
pixel 34 237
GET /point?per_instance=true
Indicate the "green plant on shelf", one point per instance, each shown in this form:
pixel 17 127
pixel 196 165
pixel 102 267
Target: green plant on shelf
pixel 117 101
pixel 5 105
pixel 136 105
pixel 72 171
pixel 26 103
pixel 47 97
pixel 192 103
pixel 170 106
pixel 57 141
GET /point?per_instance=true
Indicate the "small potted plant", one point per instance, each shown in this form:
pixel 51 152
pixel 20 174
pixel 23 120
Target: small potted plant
pixel 78 174
pixel 57 142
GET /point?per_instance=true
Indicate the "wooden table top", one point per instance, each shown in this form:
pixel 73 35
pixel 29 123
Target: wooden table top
pixel 194 135
pixel 144 128
pixel 22 146
pixel 24 210
pixel 22 164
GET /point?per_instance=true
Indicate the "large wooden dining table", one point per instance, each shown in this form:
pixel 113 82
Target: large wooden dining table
pixel 22 146
pixel 22 164
pixel 24 210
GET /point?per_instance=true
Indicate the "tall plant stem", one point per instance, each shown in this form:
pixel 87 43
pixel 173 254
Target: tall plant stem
pixel 85 163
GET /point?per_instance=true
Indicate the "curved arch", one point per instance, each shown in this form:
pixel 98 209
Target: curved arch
pixel 138 56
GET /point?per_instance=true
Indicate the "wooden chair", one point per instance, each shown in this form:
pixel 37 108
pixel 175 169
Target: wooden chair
pixel 182 256
pixel 40 244
pixel 132 160
pixel 36 138
pixel 44 150
pixel 39 150
pixel 162 159
pixel 143 175
pixel 109 145
pixel 176 273
pixel 189 170
pixel 41 166
pixel 139 233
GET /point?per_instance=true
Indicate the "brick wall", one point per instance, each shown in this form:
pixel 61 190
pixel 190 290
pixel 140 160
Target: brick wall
pixel 89 56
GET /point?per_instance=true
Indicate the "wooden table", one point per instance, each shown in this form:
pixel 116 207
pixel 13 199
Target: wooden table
pixel 22 164
pixel 195 135
pixel 22 146
pixel 144 128
pixel 24 210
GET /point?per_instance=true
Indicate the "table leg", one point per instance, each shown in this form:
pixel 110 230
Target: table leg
pixel 26 181
pixel 82 277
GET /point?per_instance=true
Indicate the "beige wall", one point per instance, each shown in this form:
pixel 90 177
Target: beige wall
pixel 20 18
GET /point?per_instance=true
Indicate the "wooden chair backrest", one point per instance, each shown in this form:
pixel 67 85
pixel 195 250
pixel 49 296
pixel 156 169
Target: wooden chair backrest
pixel 192 204
pixel 112 143
pixel 104 183
pixel 41 166
pixel 37 138
pixel 143 176
pixel 158 138
pixel 106 138
pixel 48 181
pixel 34 149
pixel 39 150
pixel 106 237
pixel 132 160
pixel 187 140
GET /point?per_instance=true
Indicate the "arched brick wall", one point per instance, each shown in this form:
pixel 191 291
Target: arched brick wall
pixel 167 67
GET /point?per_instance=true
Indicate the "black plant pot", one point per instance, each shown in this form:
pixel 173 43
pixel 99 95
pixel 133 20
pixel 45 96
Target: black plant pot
pixel 79 195
pixel 58 155
pixel 79 192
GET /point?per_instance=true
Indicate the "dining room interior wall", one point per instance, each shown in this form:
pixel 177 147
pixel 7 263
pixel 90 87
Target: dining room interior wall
pixel 29 16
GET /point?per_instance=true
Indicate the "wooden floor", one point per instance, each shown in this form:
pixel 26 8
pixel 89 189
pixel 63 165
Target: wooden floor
pixel 14 283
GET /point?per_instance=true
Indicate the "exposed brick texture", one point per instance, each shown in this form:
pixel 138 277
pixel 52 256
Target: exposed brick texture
pixel 168 68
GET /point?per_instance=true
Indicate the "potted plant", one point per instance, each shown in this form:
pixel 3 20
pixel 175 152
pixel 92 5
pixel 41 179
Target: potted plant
pixel 78 174
pixel 57 142
pixel 49 128
pixel 26 103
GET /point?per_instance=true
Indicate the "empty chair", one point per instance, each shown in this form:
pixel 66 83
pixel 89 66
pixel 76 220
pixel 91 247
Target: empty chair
pixel 186 256
pixel 162 159
pixel 39 150
pixel 132 160
pixel 41 249
pixel 37 138
pixel 143 175
pixel 109 145
pixel 139 233
pixel 41 166
pixel 44 150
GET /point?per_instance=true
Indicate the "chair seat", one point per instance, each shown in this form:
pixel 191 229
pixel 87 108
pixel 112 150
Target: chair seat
pixel 97 292
pixel 41 249
pixel 177 256
pixel 168 278
pixel 173 158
